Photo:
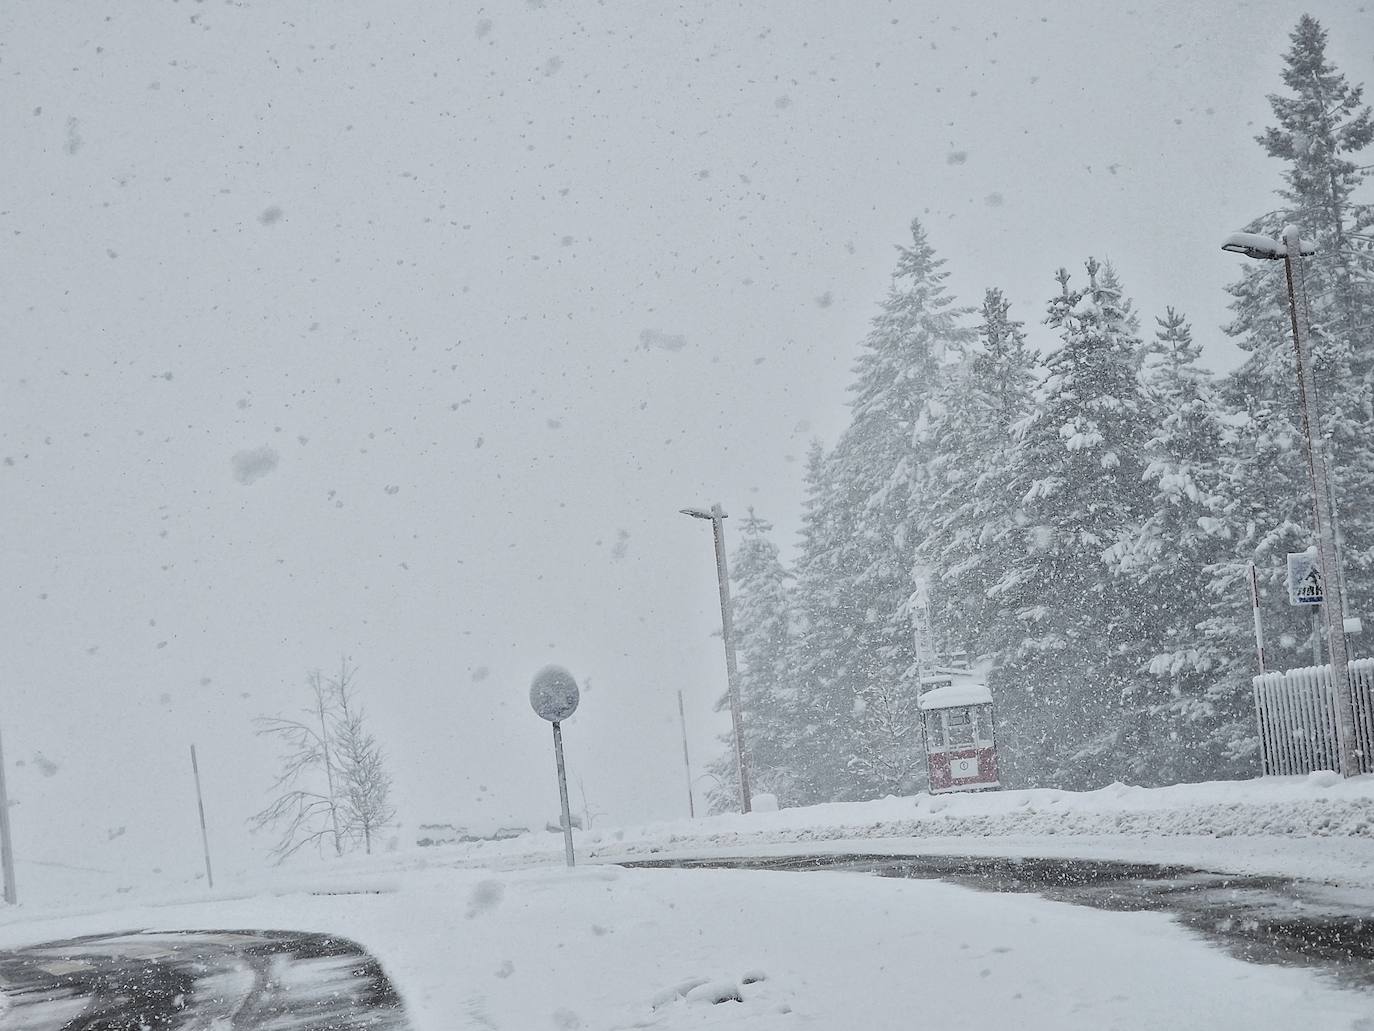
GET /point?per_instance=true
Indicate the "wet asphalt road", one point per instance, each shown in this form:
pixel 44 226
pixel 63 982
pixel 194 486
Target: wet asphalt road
pixel 1278 920
pixel 220 980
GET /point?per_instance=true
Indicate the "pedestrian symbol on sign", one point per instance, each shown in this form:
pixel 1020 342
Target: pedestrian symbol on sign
pixel 1304 579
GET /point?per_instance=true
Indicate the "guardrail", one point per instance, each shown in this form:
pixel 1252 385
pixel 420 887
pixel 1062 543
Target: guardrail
pixel 1297 719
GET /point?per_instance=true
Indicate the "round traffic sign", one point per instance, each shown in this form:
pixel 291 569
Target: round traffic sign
pixel 553 694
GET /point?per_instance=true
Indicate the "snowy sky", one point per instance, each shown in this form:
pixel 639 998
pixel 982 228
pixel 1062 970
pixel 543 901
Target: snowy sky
pixel 403 330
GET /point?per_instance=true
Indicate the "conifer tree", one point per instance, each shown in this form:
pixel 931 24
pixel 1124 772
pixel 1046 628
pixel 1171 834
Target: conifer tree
pixel 828 607
pixel 877 475
pixel 973 506
pixel 1321 128
pixel 1064 684
pixel 1175 725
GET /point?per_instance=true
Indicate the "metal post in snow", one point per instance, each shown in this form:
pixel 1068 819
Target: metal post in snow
pixel 563 791
pixel 200 806
pixel 1266 762
pixel 686 761
pixel 6 841
pixel 1259 627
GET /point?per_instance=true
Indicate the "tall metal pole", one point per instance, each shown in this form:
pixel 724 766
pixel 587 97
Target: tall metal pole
pixel 6 842
pixel 1255 611
pixel 1334 602
pixel 563 791
pixel 686 762
pixel 727 627
pixel 200 806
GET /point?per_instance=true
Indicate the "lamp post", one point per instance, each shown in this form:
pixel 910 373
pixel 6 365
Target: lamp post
pixel 1291 251
pixel 727 628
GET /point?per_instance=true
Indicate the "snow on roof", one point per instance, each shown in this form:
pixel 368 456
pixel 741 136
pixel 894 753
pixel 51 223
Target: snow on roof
pixel 955 694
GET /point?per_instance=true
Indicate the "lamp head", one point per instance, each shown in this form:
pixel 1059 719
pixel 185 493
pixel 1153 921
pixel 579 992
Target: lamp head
pixel 1256 245
pixel 1253 245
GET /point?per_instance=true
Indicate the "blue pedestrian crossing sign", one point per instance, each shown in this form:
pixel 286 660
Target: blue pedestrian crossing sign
pixel 1304 578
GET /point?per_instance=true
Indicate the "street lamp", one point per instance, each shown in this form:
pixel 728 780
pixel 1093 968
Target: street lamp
pixel 1291 251
pixel 727 628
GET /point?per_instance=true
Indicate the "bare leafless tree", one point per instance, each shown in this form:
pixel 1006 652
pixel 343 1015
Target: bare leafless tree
pixel 364 785
pixel 332 789
pixel 590 813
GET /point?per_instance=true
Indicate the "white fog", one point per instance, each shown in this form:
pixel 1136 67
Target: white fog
pixel 402 332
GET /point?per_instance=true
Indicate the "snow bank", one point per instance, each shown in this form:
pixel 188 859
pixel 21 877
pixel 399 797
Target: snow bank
pixel 1314 826
pixel 1317 827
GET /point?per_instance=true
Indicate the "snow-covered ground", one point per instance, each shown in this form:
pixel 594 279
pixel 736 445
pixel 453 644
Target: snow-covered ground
pixel 1317 827
pixel 603 948
pixel 502 936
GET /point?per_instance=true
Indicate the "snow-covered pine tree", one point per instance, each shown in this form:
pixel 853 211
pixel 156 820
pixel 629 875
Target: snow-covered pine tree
pixel 1323 133
pixel 1080 462
pixel 827 609
pixel 1174 720
pixel 878 473
pixel 762 610
pixel 1322 128
pixel 973 507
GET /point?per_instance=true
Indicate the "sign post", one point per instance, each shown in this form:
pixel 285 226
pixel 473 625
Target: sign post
pixel 200 807
pixel 1255 610
pixel 554 697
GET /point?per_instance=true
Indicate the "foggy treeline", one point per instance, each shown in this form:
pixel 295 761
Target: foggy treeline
pixel 1082 519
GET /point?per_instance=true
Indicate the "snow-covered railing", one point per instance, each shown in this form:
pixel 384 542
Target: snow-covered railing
pixel 1297 719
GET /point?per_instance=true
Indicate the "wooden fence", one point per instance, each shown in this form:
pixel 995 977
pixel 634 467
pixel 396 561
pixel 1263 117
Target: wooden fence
pixel 1297 719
